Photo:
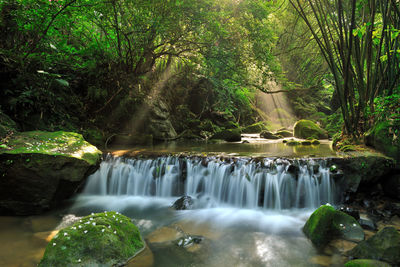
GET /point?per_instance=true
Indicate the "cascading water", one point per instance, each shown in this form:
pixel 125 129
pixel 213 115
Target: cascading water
pixel 272 184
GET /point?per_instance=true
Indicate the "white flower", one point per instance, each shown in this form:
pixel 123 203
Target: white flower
pixel 102 230
pixel 354 224
pixel 54 244
pixel 74 228
pixel 115 232
pixel 65 234
pixel 80 226
pixel 341 224
pixel 80 220
pixel 94 224
pixel 113 216
pixel 120 221
pixel 92 213
pixel 109 226
pixel 79 260
pixel 85 231
pixel 91 218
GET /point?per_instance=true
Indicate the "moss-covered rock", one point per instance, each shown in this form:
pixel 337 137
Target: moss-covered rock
pixel 326 224
pixel 366 263
pixel 284 133
pixel 384 245
pixel 268 135
pixel 255 128
pixel 308 129
pixel 102 239
pixel 293 143
pixel 306 143
pixel 383 138
pixel 38 169
pixel 7 125
pixel 229 135
pixel 315 142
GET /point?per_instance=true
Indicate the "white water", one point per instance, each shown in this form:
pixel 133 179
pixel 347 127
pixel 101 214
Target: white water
pixel 242 183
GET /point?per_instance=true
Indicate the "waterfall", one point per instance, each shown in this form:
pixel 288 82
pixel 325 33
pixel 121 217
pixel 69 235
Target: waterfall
pixel 269 183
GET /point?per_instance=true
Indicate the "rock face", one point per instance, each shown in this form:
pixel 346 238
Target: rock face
pixel 385 246
pixel 102 239
pixel 38 170
pixel 158 123
pixel 307 129
pixel 326 224
pixel 284 133
pixel 356 171
pixel 7 125
pixel 382 137
pixel 230 135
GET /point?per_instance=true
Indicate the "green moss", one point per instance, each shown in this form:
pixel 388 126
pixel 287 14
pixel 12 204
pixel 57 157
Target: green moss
pixel 107 239
pixel 308 129
pixel 52 143
pixel 268 135
pixel 366 263
pixel 315 142
pixel 293 143
pixel 230 135
pixel 284 133
pixel 256 128
pixel 318 226
pixel 383 138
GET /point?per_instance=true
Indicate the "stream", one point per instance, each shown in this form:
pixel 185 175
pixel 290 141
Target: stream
pixel 245 211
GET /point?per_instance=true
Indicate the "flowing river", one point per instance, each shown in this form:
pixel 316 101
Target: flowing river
pixel 244 211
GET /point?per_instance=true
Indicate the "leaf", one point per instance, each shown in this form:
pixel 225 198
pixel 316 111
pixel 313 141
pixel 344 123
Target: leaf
pixel 62 82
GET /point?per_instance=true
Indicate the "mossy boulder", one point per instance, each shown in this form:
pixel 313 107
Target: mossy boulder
pixel 326 224
pixel 384 245
pixel 284 133
pixel 268 135
pixel 229 135
pixel 366 263
pixel 255 128
pixel 308 129
pixel 101 239
pixel 293 143
pixel 315 142
pixel 38 170
pixel 7 125
pixel 383 138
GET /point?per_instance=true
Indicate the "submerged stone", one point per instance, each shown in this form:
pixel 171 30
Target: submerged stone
pixel 40 169
pixel 385 245
pixel 308 129
pixel 326 224
pixel 183 203
pixel 268 135
pixel 102 239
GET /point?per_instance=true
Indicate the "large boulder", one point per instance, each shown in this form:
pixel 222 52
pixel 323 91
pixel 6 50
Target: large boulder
pixel 38 170
pixel 229 135
pixel 383 138
pixel 284 133
pixel 159 124
pixel 102 239
pixel 309 130
pixel 7 125
pixel 326 224
pixel 384 245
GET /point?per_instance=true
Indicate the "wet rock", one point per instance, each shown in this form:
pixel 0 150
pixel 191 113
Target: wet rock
pixel 245 142
pixel 7 125
pixel 385 246
pixel 367 224
pixel 350 211
pixel 366 263
pixel 268 135
pixel 184 203
pixel 255 128
pixel 391 186
pixel 39 170
pixel 284 133
pixel 102 239
pixel 230 135
pixel 306 143
pixel 307 129
pixel 188 241
pixel 326 224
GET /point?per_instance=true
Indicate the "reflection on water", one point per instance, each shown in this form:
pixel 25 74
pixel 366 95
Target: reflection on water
pixel 256 147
